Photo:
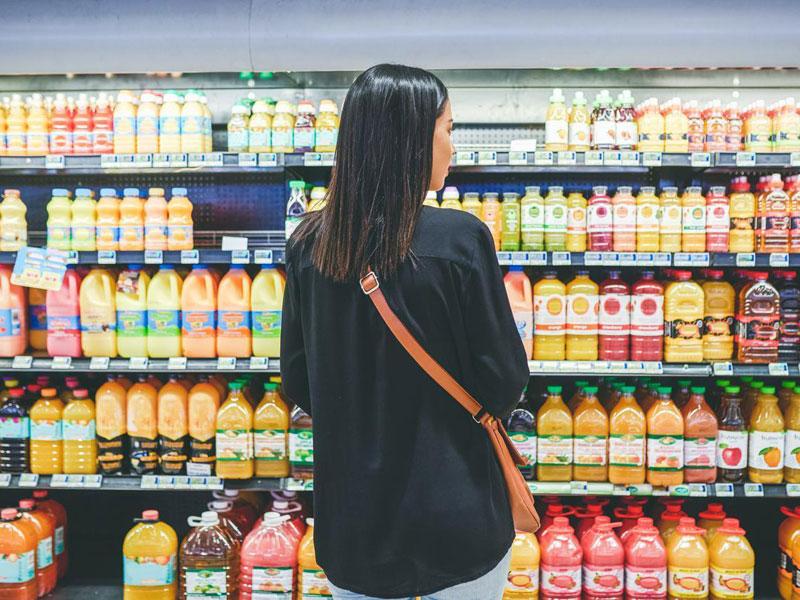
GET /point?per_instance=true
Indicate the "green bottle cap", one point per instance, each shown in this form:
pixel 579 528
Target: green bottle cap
pixel 270 387
pixel 554 389
pixel 590 390
pixel 768 389
pixel 788 384
pixel 235 385
pixel 664 390
pixel 698 389
pixel 628 389
pixel 733 389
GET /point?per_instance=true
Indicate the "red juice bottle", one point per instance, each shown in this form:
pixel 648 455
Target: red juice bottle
pixel 604 562
pixel 647 318
pixel 561 562
pixel 645 563
pixel 700 430
pixel 586 517
pixel 599 220
pixel 615 319
pixel 629 517
pixel 718 222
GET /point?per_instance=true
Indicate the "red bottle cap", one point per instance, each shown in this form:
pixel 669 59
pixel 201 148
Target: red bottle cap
pixel 16 393
pixel 687 526
pixel 682 275
pixel 150 515
pixel 673 513
pixel 561 525
pixel 589 511
pixel 8 514
pixel 81 394
pixel 40 494
pixel 714 512
pixel 559 510
pixel 633 511
pixel 731 526
pixel 27 504
pixel 714 274
pixel 645 523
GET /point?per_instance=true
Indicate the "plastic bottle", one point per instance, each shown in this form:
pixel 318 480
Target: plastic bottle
pixel 785 394
pixel 688 561
pixel 238 128
pixel 788 532
pixel 150 560
pixel 647 220
pixel 270 434
pixel 59 515
pixel 164 313
pixel 269 558
pixel 155 220
pixel 556 124
pixel 199 313
pixel 209 559
pixel 18 539
pixel 789 291
pixel 627 429
pixel 180 226
pixel 59 220
pixel 645 563
pixel 555 220
pixel 718 322
pixel 142 426
pixel 510 236
pixel 173 427
pixel 520 296
pixel 614 319
pixel 550 318
pixel 203 405
pixel 532 219
pixel 193 123
pixel 774 217
pixel 742 216
pixel 758 320
pixel 757 129
pixel 15 433
pixel 683 319
pixel 579 123
pixel 693 220
pixel 676 127
pixel 38 127
pixel 665 431
pixel 125 123
pixel 311 579
pixel 103 126
pixel 576 223
pixel 296 207
pixel 600 221
pixel 107 231
pixel 47 434
pixel 234 336
pixel 651 127
pixel 13 225
pixel 700 439
pixel 283 127
pixel 794 214
pixel 266 302
pixel 327 133
pixel 715 127
pixel 13 316
pixel 732 562
pixel 80 445
pixel 670 222
pixel 472 204
pixel 147 121
pixel 696 133
pixel 718 222
pixel 37 318
pixel 235 436
pixel 432 201
pixel 305 127
pixel 604 562
pixel 523 573
pixel 60 126
pixel 169 123
pixel 98 314
pixel 131 300
pixel 521 428
pixel 16 127
pixel 791 415
pixel 604 129
pixel 131 221
pixel 647 318
pixel 767 439
pixel 301 445
pixel 491 216
pixel 44 526
pixel 84 220
pixel 590 426
pixel 627 133
pixel 112 427
pixel 554 431
pixel 624 220
pixel 582 318
pixel 561 558
pixel 711 519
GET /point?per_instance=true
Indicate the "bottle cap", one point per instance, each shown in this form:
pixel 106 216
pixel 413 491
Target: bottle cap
pixel 554 389
pixel 150 515
pixel 108 192
pixel 9 514
pixel 27 504
pixel 628 389
pixel 179 191
pixel 40 494
pixel 270 387
pixel 768 389
pixel 714 512
pixel 590 390
pixel 664 390
pixel 698 389
pixel 16 392
pixel 733 389
pixel 48 393
pixel 731 526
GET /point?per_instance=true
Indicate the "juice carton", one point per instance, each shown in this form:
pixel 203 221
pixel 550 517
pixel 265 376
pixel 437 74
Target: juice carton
pixel 614 319
pixel 131 299
pixel 520 296
pixel 142 426
pixel 103 122
pixel 234 337
pixel 169 123
pixel 37 318
pixel 203 404
pixel 209 559
pixel 555 220
pixel 13 225
pixel 164 313
pixel 645 563
pixel 582 318
pixel 590 427
pixel 235 436
pixel 576 223
pixel 44 525
pixel 112 427
pixel 561 561
pixel 491 216
pixel 155 220
pixel 767 439
pixel 556 125
pixel 532 219
pixel 47 434
pixel 687 561
pixel 718 323
pixel 107 232
pixel 150 560
pixel 604 562
pixel 550 318
pixel 700 439
pixel 664 441
pixel 59 220
pixel 718 222
pixel 180 226
pixel 647 211
pixel 788 532
pixel 125 123
pixel 626 450
pixel 732 562
pixel 98 314
pixel 266 302
pixel 84 220
pixel 80 445
pixel 18 543
pixel 193 124
pixel 670 223
pixel 624 220
pixel 647 318
pixel 683 319
pixel 173 427
pixel 521 428
pixel 758 320
pixel 131 221
pixel 199 313
pixel 523 573
pixel 554 430
pixel 600 220
pixel 579 124
pixel 693 220
pixel 510 209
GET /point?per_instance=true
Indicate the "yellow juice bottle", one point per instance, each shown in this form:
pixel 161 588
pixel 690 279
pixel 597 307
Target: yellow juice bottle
pixel 687 561
pixel 791 469
pixel 554 430
pixel 450 199
pixel 743 216
pixel 576 222
pixel 648 208
pixel 651 127
pixel 235 435
pixel 556 124
pixel 669 221
pixel 664 441
pixel 98 314
pixel 582 318
pixel 510 236
pixel 169 123
pixel 491 217
pixel 266 302
pixel 579 124
pixel 523 572
pixel 532 215
pixel 788 536
pixel 758 129
pixel 550 318
pixel 432 201
pixel 125 123
pixel 13 222
pixel 767 439
pixel 193 127
pixel 327 126
pixel 80 443
pixel 283 127
pixel 471 204
pixel 260 127
pixel 590 430
pixel 84 219
pixel 270 434
pixel 683 319
pixel 732 562
pixel 59 220
pixel 38 127
pixel 693 220
pixel 47 446
pixel 626 446
pixel 676 128
pixel 150 561
pixel 555 220
pixel 16 127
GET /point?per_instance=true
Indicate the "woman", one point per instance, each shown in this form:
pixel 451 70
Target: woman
pixel 409 498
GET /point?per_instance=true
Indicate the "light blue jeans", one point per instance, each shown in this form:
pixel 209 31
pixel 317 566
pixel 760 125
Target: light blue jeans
pixel 488 587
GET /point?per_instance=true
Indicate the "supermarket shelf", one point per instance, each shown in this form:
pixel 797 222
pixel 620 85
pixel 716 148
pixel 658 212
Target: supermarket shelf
pixel 87 591
pixel 274 254
pixel 140 364
pixel 649 259
pixel 693 490
pixel 638 368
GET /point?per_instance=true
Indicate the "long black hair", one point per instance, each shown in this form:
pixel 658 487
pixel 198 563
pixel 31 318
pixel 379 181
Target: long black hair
pixel 382 173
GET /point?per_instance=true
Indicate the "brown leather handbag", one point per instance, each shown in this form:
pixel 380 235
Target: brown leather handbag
pixel 525 516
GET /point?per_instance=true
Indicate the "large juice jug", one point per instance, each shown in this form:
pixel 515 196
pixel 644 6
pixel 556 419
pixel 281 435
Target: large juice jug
pixel 269 558
pixel 103 122
pixel 600 220
pixel 676 127
pixel 510 209
pixel 614 319
pixel 683 319
pixel 150 560
pixel 80 444
pixel 664 441
pixel 555 220
pixel 590 514
pixel 204 401
pixel 561 561
pixel 491 217
pixel 142 426
pixel 579 124
pixel 732 561
pixel 670 221
pixel 767 439
pixel 270 434
pixel 648 208
pixel 112 427
pixel 693 220
pixel 774 217
pixel 556 126
pixel 718 221
pixel 180 226
pixel 209 559
pixel 553 511
pixel 624 220
pixel 147 120
pixel 521 428
pixel 125 123
pixel 131 299
pixel 131 221
pixel 629 515
pixel 311 579
pixel 554 430
pixel 520 296
pixel 647 318
pixel 523 571
pixel 626 446
pixel 15 433
pixel 604 562
pixel 234 337
pixel 38 127
pixel 645 563
pixel 18 542
pixel 173 427
pixel 758 320
pixel 576 222
pixel 791 416
pixel 59 220
pixel 37 318
pixel 550 318
pixel 742 216
pixel 719 306
pixel 235 436
pixel 84 219
pixel 266 303
pixel 47 447
pixel 164 313
pixel 788 533
pixel 700 438
pixel 199 313
pixel 192 124
pixel 687 561
pixel 283 127
pixel 107 232
pixel 582 318
pixel 45 526
pixel 532 219
pixel 98 314
pixel 155 220
pixel 590 431
pixel 711 519
pixel 13 225
pixel 13 316
pixel 16 127
pixel 789 342
pixel 169 123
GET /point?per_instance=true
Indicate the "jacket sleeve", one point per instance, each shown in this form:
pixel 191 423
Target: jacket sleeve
pixel 294 371
pixel 499 360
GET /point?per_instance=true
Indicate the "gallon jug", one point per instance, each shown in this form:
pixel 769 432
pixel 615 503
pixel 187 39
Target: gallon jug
pixel 266 304
pixel 45 527
pixel 523 572
pixel 13 316
pixel 131 297
pixel 209 560
pixel 311 579
pixel 150 560
pixel 269 558
pixel 18 540
pixel 561 562
pixel 64 317
pixel 199 313
pixel 164 313
pixel 234 337
pixel 98 314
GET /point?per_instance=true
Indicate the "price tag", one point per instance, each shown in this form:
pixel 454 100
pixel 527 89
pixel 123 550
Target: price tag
pixel 190 257
pixel 566 366
pixel 609 259
pixel 213 159
pixel 653 367
pixel 106 257
pixel 592 258
pixel 778 369
pixel 700 259
pixel 645 259
pixel 93 481
pixel 651 159
pixel 58 481
pixel 125 161
pixel 5 479
pixel 176 363
pixel 99 363
pixel 578 488
pixel 327 159
pixel 561 258
pixel 312 159
pixel 267 159
pixel 678 490
pixel 196 482
pixel 600 489
pixel 263 257
pixel 535 366
pixel 153 257
pixel 143 161
pixel 72 257
pixel 108 161
pixel 612 158
pixel 793 490
pixel 621 490
pixel 543 158
pixel 698 490
pixel 682 259
pixel 550 487
pixel 779 259
pixel 198 470
pixel 240 257
pixel 466 159
pixel 662 259
pixel 487 158
pixel 248 159
pixel 54 161
pixel 214 483
pixel 642 489
pixel 516 158
pixel 148 482
pixel 745 159
pixel 259 363
pixel 61 362
pixel 701 159
pixel 299 485
pixel 226 363
pixel 182 482
pixel 164 482
pixel 504 258
pixel 567 158
pixel 536 258
pixel 723 490
pixel 519 258
pixel 627 259
pixel 22 362
pixel 28 480
pixel 137 363
pixel 161 161
pixel 616 366
pixel 630 159
pixel 794 159
pixel 745 259
pixel 179 159
pixel 722 369
pixel 753 490
pixel 660 491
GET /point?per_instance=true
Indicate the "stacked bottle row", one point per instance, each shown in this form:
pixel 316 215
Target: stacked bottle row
pixel 109 223
pixel 661 435
pixel 741 221
pixel 664 555
pixel 269 126
pixel 672 127
pixel 681 320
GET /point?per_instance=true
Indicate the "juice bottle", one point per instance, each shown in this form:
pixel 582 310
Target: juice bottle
pixel 550 318
pixel 664 441
pixel 253 134
pixel 590 514
pixel 604 562
pixel 555 220
pixel 732 562
pixel 60 126
pixel 98 314
pixel 209 559
pixel 103 124
pixel 719 304
pixel 758 321
pixel 155 220
pixel 235 436
pixel 147 120
pixel 327 126
pixel 578 126
pixel 311 579
pixel 742 216
pixel 173 427
pixel 774 218
pixel 624 220
pixel 296 207
pixel 14 433
pixel 431 200
pixel 180 226
pixel 80 445
pixel 687 561
pixel 604 128
pixel 18 542
pixel 693 220
pixel 131 299
pixel 794 214
pixel 83 220
pixel 13 225
pixel 669 520
pixel 150 560
pixel 647 318
pixel 614 319
pixel 531 218
pixel 510 236
pixel 142 426
pixel 523 572
pixel 193 123
pixel 491 217
pixel 208 141
pixel 270 431
pixel 301 445
pixel 554 430
pixel 767 439
pixel 561 561
pixel 576 223
pixel 521 428
pixel 199 313
pixel 203 404
pixel 718 220
pixel 112 427
pixel 789 291
pixel 13 317
pixel 472 205
pixel 38 127
pixel 164 313
pixel 751 395
pixel 645 563
pixel 44 525
pixel 234 337
pixel 670 221
pixel 715 127
pixel 553 510
pixel 734 140
pixel 626 447
pixel 758 129
pixel 283 127
pixel 683 319
pixel 266 301
pixel 582 318
pixel 556 125
pixel 676 127
pixel 600 220
pixel 16 127
pixel 651 127
pixel 700 439
pixel 47 449
pixel 125 123
pixel 305 127
pixel 788 532
pixel 696 134
pixel 59 220
pixel 131 221
pixel 520 296
pixel 628 515
pixel 786 126
pixel 37 318
pixel 107 232
pixel 169 123
pixel 590 425
pixel 647 213
pixel 785 395
pixel 627 133
pixel 711 519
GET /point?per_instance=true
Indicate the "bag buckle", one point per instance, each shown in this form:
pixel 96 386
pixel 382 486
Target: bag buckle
pixel 478 417
pixel 369 283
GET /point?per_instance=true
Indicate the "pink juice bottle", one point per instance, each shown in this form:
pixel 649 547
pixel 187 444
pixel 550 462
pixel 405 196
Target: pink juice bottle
pixel 615 319
pixel 586 518
pixel 600 220
pixel 63 317
pixel 604 562
pixel 560 563
pixel 645 563
pixel 718 222
pixel 269 559
pixel 624 220
pixel 629 517
pixel 554 509
pixel 647 318
pixel 294 510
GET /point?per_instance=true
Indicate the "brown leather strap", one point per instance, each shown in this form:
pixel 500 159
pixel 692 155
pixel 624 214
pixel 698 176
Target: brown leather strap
pixel 371 287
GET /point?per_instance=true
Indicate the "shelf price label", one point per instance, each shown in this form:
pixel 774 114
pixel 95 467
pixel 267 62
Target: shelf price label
pixel 99 363
pixel 701 159
pixel 143 161
pixel 794 159
pixel 72 257
pixel 662 259
pixel 504 258
pixel 678 490
pixel 153 257
pixel 722 369
pixel 561 258
pixel 124 161
pixel 579 488
pixel 651 159
pixel 54 161
pixel 213 159
pixel 22 362
pixel 248 159
pixel 137 363
pixel 745 259
pixel 543 158
pixel 535 258
pixel 466 159
pixel 259 363
pixel 60 363
pixel 723 490
pixel 190 257
pixel 5 479
pixel 267 159
pixel 176 363
pixel 600 489
pixel 610 259
pixel 745 159
pixel 28 480
pixel 630 158
pixel 550 487
pixel 628 259
pixel 793 490
pixel 299 485
pixel 108 161
pixel 148 482
pixel 92 481
pixel 487 158
pixel 516 158
pixel 567 158
pixel 593 158
pixel 612 158
pixel 700 259
pixel 643 489
pixel 107 257
pixel 778 369
pixel 779 259
pixel 263 257
pixel 592 258
pixel 753 490
pixel 240 257
pixel 179 159
pixel 226 363
pixel 698 490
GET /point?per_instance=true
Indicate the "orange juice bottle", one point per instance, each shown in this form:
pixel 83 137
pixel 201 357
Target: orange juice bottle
pixel 125 123
pixel 173 427
pixel 16 127
pixel 579 122
pixel 18 539
pixel 647 213
pixel 180 226
pixel 234 337
pixel 80 443
pixel 107 233
pixel 651 127
pixel 235 436
pixel 150 560
pixel 556 124
pixel 669 223
pixel 142 425
pixel 693 220
pixel 683 319
pixel 582 318
pixel 732 562
pixel 664 441
pixel 270 434
pixel 203 404
pixel 626 446
pixel 131 221
pixel 791 417
pixel 590 426
pixel 131 300
pixel 676 127
pixel 758 129
pixel 47 446
pixel 624 220
pixel 111 427
pixel 554 430
pixel 687 561
pixel 311 579
pixel 155 220
pixel 38 126
pixel 550 318
pixel 490 215
pixel 788 534
pixel 576 223
pixel 767 439
pixel 523 572
pixel 199 313
pixel 718 322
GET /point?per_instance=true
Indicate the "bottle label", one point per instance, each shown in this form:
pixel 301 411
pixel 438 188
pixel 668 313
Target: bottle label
pixel 149 571
pixel 282 138
pixel 144 454
pixel 192 124
pixel 555 132
pixel 625 450
pixel 664 453
pixel 238 140
pixel 233 323
pixel 524 322
pixel 561 581
pixel 44 553
pixel 532 217
pixel 646 581
pixel 624 217
pixel 70 324
pixel 327 136
pixel 234 445
pixel 554 450
pixel 124 125
pixel 199 323
pixel 647 315
pixel 273 583
pixel 766 450
pixel 699 452
pixel 590 450
pixel 694 219
pixel 111 453
pixel 792 449
pixel 717 218
pixel 155 232
pixel 525 443
pixel 131 234
pixel 579 134
pixel 172 453
pixel 301 447
pixel 267 324
pixel 315 584
pixel 687 583
pixel 46 431
pixel 17 568
pixel 670 220
pixel 627 133
pixel 58 235
pixel 15 428
pixel 599 218
pixel 270 444
pixel 207 584
pixel 731 583
pixel 163 323
pixel 647 218
pixel 550 314
pixel 523 580
pixel 132 323
pixel 169 125
pixel 555 218
pixel 79 431
pixel 59 540
pixel 582 314
pixel 603 580
pixel 10 322
pixel 615 314
pixel 82 235
pixel 604 133
pixel 304 138
pixel 684 330
pixel 576 220
pixel 719 329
